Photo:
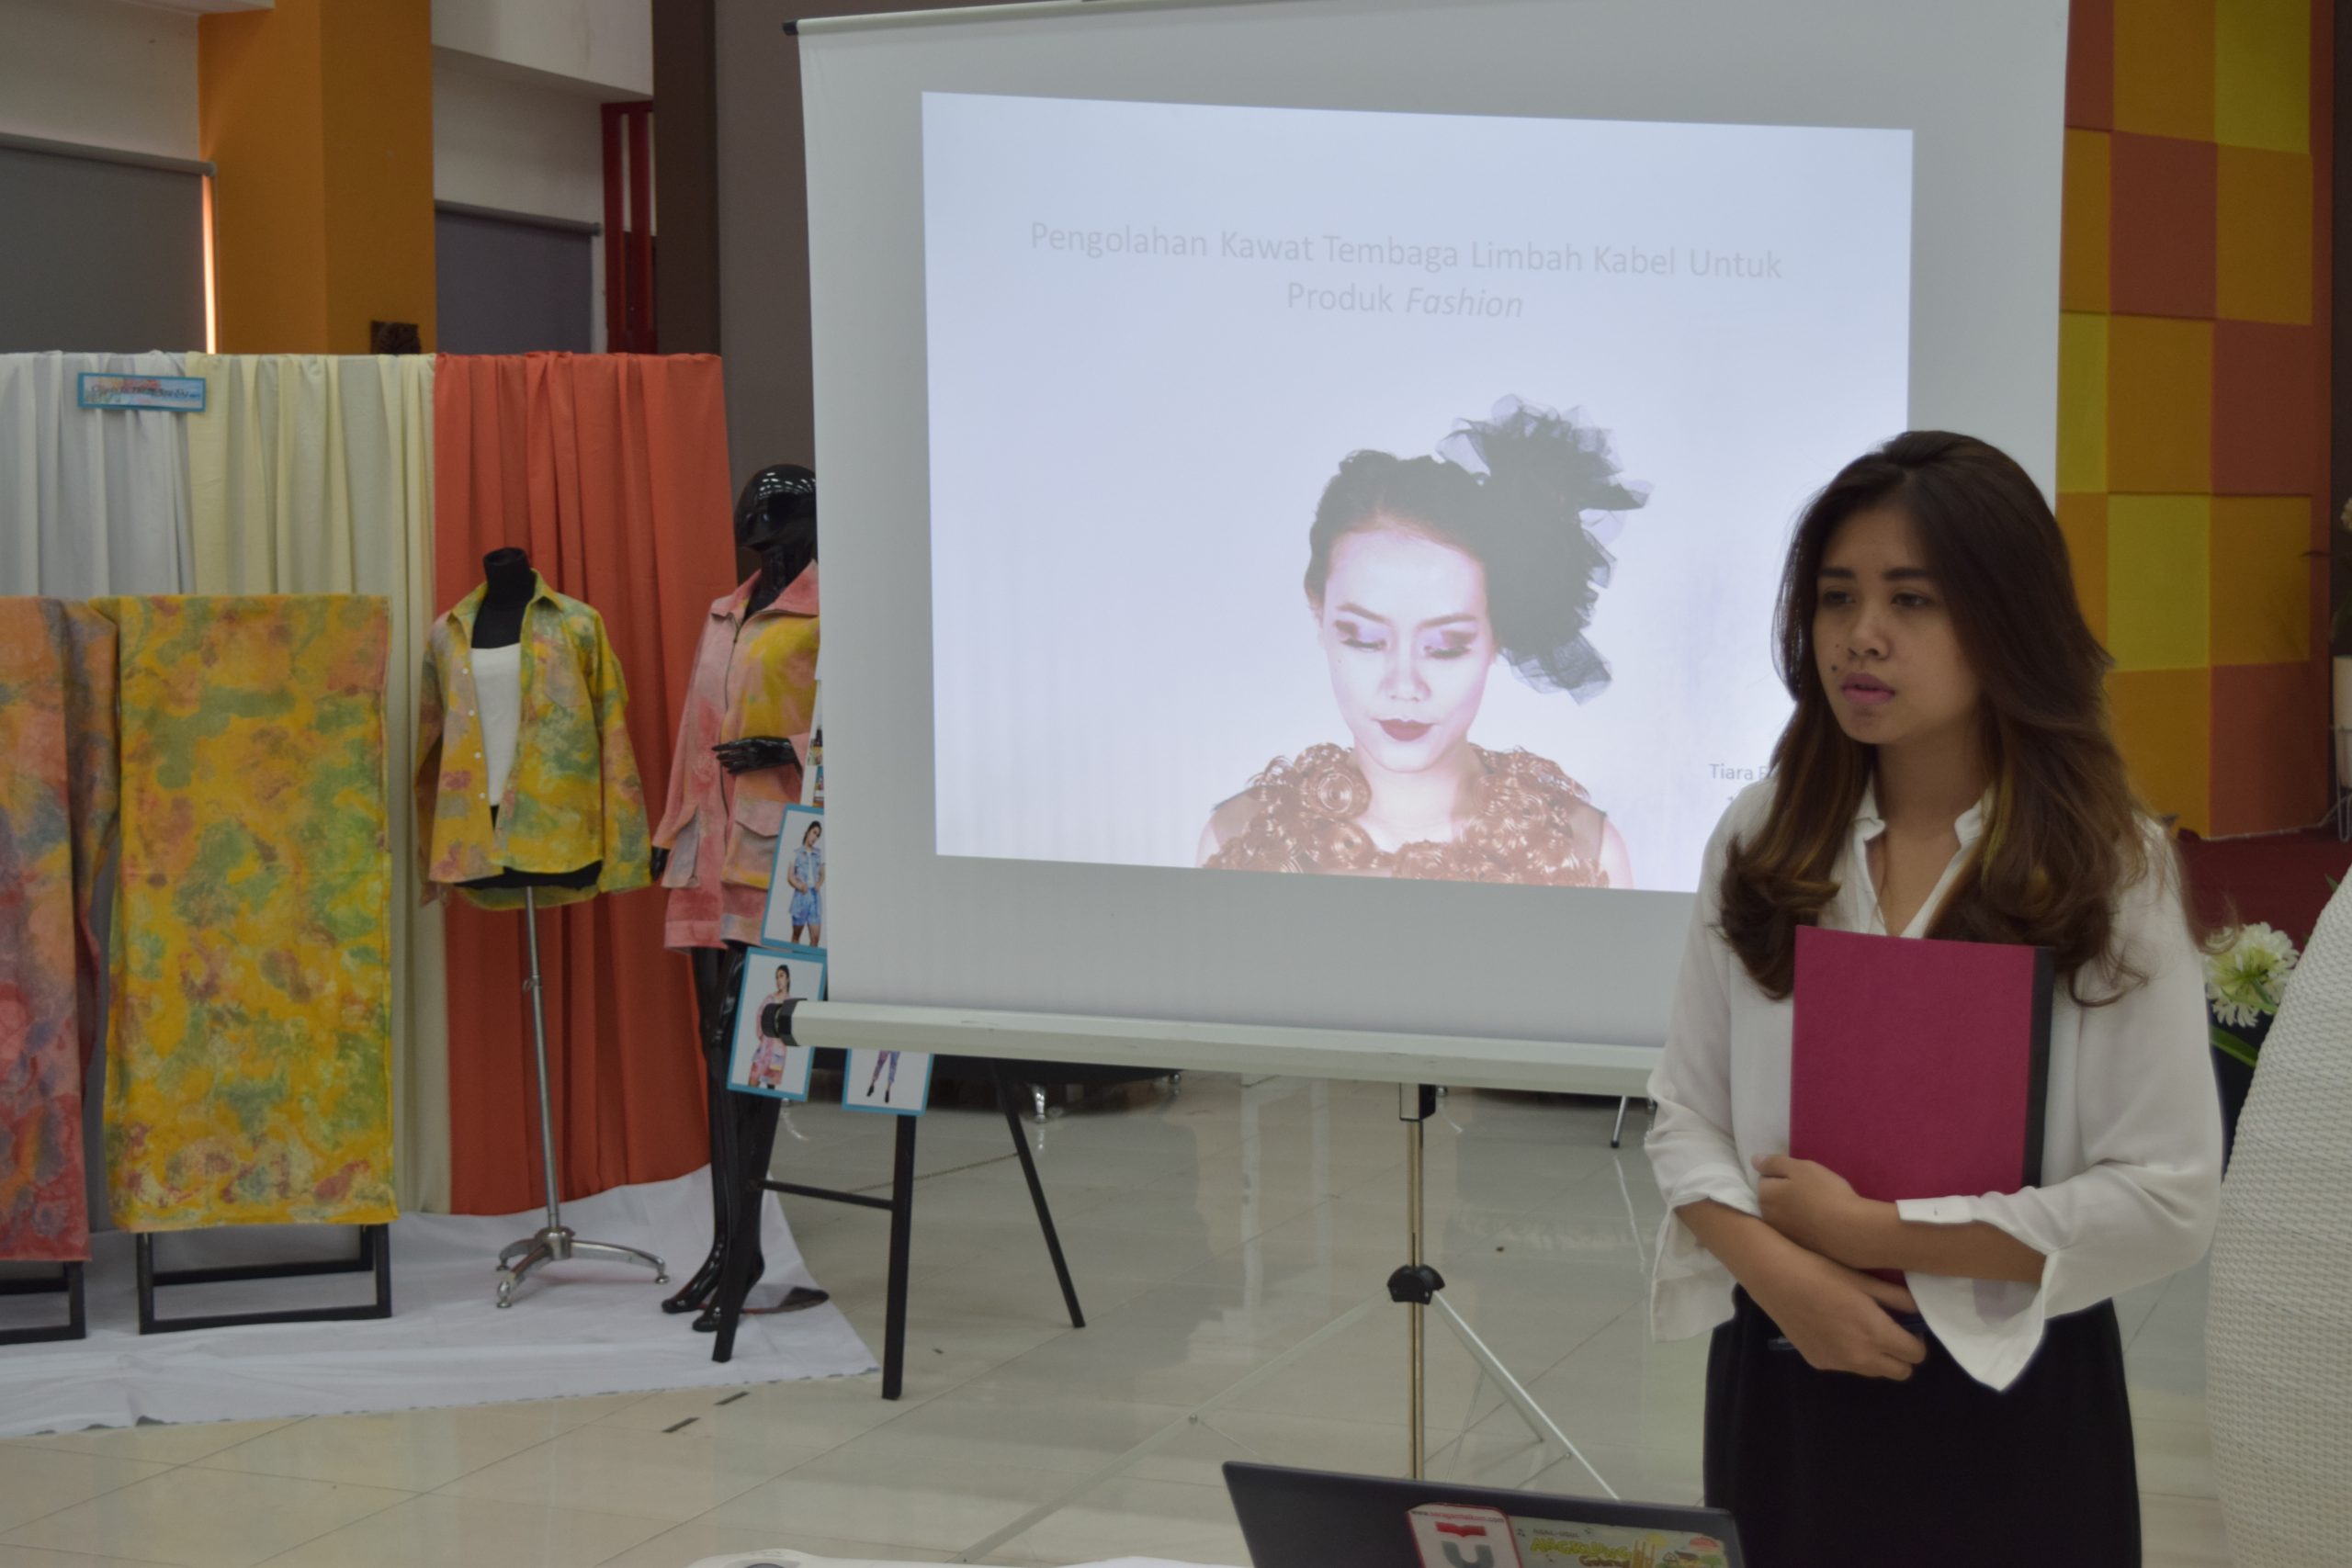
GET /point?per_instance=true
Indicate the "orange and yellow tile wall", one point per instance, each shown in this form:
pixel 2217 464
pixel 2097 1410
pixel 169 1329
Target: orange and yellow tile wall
pixel 2193 431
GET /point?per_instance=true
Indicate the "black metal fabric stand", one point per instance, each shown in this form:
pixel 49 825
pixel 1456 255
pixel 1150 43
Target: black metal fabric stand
pixel 755 1147
pixel 68 1283
pixel 374 1255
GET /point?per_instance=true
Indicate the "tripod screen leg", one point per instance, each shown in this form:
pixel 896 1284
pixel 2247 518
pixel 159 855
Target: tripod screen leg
pixel 1006 1102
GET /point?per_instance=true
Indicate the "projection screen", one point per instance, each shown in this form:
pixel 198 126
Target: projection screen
pixel 1305 481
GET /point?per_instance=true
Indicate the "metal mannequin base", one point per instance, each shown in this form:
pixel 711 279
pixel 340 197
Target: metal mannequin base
pixel 554 1243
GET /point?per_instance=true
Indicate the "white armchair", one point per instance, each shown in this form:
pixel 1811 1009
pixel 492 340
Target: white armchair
pixel 2279 1334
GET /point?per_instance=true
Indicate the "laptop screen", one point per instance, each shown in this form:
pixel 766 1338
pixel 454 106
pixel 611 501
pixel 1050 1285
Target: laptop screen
pixel 1295 1519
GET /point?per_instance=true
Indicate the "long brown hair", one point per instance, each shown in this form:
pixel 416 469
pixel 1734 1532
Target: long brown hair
pixel 2063 834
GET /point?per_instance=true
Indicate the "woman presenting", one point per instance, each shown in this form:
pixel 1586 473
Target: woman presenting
pixel 1421 573
pixel 1948 772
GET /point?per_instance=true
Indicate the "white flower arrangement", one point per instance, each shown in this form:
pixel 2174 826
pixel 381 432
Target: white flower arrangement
pixel 2247 979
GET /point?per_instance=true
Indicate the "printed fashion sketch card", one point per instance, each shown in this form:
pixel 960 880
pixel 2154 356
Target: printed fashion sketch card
pixel 764 1060
pixel 897 1082
pixel 795 912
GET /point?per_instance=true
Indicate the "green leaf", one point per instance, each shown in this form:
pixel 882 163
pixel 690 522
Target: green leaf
pixel 2228 1044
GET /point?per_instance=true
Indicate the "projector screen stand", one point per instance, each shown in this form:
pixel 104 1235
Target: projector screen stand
pixel 1417 1287
pixel 1624 1102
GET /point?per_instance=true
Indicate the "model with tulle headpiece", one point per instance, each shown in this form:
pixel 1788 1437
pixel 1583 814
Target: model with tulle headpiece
pixel 1421 573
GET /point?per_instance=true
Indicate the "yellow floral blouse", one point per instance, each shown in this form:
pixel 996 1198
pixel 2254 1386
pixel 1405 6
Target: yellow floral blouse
pixel 573 797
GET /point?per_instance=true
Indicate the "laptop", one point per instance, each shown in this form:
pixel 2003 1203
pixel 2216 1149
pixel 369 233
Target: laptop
pixel 1307 1519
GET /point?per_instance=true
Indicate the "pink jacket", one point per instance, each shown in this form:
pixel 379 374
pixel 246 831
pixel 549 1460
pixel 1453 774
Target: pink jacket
pixel 754 675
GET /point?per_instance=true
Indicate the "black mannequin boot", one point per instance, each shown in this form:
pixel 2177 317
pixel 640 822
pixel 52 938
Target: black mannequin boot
pixel 715 972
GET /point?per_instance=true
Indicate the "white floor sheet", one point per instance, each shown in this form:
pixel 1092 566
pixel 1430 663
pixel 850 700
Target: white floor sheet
pixel 579 1327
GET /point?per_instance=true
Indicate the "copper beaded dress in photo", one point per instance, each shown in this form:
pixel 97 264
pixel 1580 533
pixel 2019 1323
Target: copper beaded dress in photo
pixel 1533 823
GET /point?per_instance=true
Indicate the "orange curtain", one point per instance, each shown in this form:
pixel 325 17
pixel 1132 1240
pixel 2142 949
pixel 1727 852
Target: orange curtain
pixel 611 470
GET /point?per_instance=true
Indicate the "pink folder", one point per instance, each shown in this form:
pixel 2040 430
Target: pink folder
pixel 1920 1068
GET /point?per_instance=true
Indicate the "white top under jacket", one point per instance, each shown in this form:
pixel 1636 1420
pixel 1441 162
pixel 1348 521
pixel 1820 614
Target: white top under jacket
pixel 498 693
pixel 2131 1156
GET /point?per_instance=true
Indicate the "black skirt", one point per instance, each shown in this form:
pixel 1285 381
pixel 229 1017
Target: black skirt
pixel 1827 1470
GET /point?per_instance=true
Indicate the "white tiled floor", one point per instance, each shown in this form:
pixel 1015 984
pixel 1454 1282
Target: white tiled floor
pixel 1209 1231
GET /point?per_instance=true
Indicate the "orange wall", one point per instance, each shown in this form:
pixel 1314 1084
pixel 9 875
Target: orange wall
pixel 319 113
pixel 2192 450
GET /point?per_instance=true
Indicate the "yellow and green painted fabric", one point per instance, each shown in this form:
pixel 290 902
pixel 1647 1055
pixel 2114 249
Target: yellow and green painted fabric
pixel 573 798
pixel 249 1071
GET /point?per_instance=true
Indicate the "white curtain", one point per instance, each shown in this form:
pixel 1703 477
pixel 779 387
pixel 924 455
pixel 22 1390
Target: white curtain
pixel 92 501
pixel 312 474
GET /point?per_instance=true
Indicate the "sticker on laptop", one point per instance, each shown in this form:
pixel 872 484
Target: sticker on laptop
pixel 1544 1543
pixel 1452 1536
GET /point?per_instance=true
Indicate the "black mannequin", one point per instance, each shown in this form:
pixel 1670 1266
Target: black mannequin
pixel 775 518
pixel 509 583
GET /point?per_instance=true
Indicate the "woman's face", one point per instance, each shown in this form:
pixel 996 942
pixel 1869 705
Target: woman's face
pixel 810 838
pixel 1403 624
pixel 783 982
pixel 1890 658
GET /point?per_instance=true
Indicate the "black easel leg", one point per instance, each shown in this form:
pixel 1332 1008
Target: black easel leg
pixel 902 1229
pixel 753 1143
pixel 1036 1193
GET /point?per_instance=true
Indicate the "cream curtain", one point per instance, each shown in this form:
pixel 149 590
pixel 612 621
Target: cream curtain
pixel 310 474
pixel 92 501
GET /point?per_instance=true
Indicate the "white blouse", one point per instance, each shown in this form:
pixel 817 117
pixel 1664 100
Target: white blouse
pixel 498 693
pixel 2131 1154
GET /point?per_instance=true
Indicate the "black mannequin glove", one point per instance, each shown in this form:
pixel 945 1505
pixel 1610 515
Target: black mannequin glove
pixel 754 752
pixel 660 861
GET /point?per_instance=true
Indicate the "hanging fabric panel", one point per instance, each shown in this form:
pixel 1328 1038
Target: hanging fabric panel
pixel 249 1074
pixel 611 470
pixel 92 501
pixel 57 806
pixel 313 473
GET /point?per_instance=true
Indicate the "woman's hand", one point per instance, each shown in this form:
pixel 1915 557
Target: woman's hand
pixel 1817 1207
pixel 1838 1319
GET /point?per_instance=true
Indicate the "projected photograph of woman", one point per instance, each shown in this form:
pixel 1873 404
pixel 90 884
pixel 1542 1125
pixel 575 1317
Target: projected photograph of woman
pixel 1421 574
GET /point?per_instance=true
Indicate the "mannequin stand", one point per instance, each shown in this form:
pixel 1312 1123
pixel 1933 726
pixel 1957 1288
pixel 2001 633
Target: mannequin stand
pixel 553 1242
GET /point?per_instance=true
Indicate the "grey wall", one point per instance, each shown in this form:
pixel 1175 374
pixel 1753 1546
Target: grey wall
pixel 509 286
pixel 764 226
pixel 103 257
